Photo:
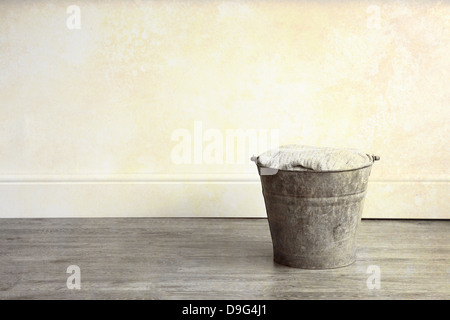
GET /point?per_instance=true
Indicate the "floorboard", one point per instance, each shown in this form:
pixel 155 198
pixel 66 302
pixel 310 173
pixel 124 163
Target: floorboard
pixel 153 258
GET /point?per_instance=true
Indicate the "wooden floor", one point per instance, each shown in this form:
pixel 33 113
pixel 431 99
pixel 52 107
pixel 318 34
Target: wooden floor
pixel 140 258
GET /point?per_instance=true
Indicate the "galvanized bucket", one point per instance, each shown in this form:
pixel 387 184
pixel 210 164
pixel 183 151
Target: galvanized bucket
pixel 314 216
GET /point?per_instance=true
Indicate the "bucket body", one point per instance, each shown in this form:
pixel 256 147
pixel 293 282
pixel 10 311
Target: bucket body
pixel 314 216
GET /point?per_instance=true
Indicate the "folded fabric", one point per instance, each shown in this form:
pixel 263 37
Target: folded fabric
pixel 308 158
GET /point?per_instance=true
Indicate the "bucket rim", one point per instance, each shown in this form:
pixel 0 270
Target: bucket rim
pixel 372 160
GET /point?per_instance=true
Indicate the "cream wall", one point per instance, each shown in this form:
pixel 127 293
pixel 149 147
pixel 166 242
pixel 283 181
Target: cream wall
pixel 133 114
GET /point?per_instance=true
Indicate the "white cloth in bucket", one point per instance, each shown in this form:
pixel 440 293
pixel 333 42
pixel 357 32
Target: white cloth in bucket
pixel 307 158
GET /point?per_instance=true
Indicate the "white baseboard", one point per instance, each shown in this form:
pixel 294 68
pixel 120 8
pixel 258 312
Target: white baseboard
pixel 128 196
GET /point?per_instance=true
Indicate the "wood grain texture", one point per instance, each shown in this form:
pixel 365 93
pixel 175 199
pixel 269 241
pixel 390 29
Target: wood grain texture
pixel 155 258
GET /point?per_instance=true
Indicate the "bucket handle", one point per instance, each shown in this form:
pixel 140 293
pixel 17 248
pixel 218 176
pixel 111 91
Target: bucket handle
pixel 374 158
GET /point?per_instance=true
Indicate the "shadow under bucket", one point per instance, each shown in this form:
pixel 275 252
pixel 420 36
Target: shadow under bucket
pixel 314 215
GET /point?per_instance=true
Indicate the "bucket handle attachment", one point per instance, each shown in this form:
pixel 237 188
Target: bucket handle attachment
pixel 262 170
pixel 375 158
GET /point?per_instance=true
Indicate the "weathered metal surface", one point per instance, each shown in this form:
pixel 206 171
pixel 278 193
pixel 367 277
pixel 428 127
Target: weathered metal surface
pixel 314 216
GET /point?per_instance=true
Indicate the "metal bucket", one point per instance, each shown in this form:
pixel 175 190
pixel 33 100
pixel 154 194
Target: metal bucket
pixel 314 216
